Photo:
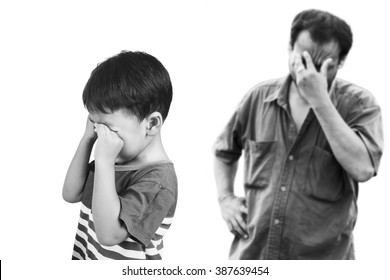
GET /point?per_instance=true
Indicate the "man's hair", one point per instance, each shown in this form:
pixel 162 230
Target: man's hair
pixel 134 81
pixel 323 28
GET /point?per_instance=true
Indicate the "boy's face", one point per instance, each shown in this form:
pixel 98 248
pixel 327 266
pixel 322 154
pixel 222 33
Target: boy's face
pixel 129 129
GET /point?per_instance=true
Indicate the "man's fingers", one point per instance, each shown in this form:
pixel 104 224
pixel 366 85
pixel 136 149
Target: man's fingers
pixel 239 229
pixel 308 60
pixel 242 225
pixel 244 209
pixel 325 65
pixel 234 213
pixel 298 64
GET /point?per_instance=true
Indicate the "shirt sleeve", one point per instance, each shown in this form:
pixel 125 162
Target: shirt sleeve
pixel 143 208
pixel 230 142
pixel 365 119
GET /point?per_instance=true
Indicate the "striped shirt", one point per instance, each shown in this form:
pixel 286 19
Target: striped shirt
pixel 148 196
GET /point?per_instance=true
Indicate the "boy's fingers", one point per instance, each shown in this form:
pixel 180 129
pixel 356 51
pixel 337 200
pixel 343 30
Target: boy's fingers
pixel 101 129
pixel 230 226
pixel 97 128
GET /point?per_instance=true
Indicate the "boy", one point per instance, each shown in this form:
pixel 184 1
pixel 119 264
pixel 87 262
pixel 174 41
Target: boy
pixel 129 192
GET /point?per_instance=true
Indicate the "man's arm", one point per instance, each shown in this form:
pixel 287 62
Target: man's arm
pixel 105 201
pixel 346 145
pixel 78 169
pixel 233 208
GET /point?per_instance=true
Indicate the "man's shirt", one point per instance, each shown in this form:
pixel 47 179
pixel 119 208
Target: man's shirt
pixel 301 202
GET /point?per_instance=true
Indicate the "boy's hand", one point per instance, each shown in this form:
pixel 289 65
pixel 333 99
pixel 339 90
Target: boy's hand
pixel 234 212
pixel 108 144
pixel 89 132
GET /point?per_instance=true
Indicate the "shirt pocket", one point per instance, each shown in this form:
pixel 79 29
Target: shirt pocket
pixel 325 178
pixel 259 160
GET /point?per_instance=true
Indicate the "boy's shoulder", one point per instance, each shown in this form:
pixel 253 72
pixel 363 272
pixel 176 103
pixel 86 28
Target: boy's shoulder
pixel 161 174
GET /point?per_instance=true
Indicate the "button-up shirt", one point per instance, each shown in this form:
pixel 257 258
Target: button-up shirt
pixel 301 202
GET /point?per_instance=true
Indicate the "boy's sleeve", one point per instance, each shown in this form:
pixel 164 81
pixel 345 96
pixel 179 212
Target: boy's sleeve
pixel 143 208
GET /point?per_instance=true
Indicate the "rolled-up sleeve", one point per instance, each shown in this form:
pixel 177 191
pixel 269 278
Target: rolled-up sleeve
pixel 230 142
pixel 366 120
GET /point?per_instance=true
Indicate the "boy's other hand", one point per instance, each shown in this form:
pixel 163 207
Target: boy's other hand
pixel 234 212
pixel 108 144
pixel 89 132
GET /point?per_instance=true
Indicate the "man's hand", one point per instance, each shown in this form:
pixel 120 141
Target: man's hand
pixel 108 144
pixel 312 85
pixel 234 212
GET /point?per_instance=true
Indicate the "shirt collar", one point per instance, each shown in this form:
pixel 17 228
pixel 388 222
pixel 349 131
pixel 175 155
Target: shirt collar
pixel 280 94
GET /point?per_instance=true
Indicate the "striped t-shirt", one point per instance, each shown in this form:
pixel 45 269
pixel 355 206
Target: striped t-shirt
pixel 148 196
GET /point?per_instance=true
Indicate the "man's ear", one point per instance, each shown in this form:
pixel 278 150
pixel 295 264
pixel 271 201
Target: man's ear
pixel 341 63
pixel 154 123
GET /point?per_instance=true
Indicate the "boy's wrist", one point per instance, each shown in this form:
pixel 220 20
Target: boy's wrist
pixel 105 162
pixel 88 139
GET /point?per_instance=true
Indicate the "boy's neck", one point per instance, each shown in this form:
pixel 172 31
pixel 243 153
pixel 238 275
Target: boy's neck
pixel 153 152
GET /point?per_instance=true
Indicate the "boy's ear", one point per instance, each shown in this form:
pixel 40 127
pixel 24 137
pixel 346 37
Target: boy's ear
pixel 289 48
pixel 154 123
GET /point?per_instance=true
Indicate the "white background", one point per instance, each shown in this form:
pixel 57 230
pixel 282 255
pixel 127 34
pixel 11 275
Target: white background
pixel 214 51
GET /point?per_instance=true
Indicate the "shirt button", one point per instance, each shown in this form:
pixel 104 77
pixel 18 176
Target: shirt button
pixel 276 221
pixel 283 188
pixel 290 157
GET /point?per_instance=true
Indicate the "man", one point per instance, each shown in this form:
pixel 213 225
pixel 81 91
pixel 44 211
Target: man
pixel 309 138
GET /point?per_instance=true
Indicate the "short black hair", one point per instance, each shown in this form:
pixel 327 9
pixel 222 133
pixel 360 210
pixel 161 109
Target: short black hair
pixel 134 81
pixel 323 27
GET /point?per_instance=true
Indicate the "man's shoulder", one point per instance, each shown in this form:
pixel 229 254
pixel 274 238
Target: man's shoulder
pixel 349 92
pixel 268 85
pixel 265 89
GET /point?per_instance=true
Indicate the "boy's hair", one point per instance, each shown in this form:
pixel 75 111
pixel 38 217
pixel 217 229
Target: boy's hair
pixel 134 81
pixel 323 27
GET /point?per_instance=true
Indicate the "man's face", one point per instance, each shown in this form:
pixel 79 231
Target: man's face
pixel 318 52
pixel 128 128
